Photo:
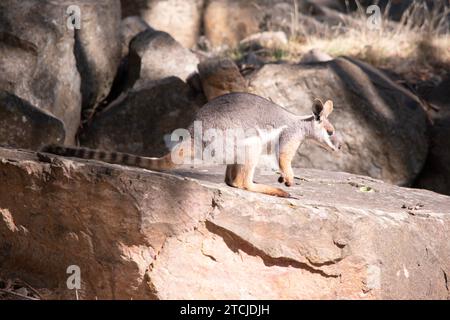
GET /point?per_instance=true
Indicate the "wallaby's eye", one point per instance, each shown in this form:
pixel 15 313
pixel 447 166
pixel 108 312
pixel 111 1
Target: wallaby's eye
pixel 330 132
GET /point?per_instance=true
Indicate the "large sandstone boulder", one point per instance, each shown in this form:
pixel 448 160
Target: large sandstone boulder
pixel 139 234
pixel 25 126
pixel 220 76
pixel 227 22
pixel 129 28
pixel 142 120
pixel 37 61
pixel 54 67
pixel 383 126
pixel 180 18
pixel 98 48
pixel 436 172
pixel 132 7
pixel 155 55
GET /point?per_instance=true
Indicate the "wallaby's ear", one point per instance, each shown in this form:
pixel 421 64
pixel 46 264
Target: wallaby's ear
pixel 327 109
pixel 317 108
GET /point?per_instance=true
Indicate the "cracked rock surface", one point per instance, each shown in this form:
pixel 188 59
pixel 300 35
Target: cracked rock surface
pixel 140 234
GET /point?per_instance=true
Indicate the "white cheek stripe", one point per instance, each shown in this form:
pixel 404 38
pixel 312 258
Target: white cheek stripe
pixel 327 139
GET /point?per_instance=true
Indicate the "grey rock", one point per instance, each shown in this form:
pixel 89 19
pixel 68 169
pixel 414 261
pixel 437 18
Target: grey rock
pixel 129 28
pixel 384 126
pixel 37 62
pixel 98 49
pixel 132 7
pixel 155 55
pixel 25 126
pixel 181 19
pixel 138 122
pixel 436 172
pixel 185 28
pixel 220 76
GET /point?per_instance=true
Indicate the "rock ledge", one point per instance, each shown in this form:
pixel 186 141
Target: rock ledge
pixel 140 234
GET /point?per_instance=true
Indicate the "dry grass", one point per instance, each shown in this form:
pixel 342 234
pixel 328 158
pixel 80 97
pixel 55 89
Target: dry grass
pixel 419 43
pixel 417 47
pixel 402 53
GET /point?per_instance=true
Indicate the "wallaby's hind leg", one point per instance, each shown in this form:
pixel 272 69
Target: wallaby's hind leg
pixel 241 176
pixel 234 176
pixel 250 185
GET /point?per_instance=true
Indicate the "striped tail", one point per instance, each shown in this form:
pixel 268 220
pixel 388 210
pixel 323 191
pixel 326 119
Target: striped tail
pixel 157 164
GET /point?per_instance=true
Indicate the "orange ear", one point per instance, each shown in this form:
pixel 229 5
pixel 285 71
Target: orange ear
pixel 327 109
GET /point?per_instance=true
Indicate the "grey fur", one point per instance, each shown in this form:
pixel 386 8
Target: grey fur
pixel 246 110
pixel 243 110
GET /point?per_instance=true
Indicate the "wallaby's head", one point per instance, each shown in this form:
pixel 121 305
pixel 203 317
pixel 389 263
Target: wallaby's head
pixel 323 131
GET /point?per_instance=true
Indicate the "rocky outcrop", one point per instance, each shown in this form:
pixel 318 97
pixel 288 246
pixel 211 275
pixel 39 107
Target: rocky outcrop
pixel 181 19
pixel 55 65
pixel 129 28
pixel 227 22
pixel 219 76
pixel 152 113
pixel 97 49
pixel 383 126
pixel 155 55
pixel 436 172
pixel 37 59
pixel 132 7
pixel 23 125
pixel 140 234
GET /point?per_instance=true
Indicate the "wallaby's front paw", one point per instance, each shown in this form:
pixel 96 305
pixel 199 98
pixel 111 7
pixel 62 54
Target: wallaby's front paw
pixel 288 182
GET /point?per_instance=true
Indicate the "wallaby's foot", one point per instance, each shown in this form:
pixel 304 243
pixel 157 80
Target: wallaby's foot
pixel 288 182
pixel 241 176
pixel 262 188
pixel 272 191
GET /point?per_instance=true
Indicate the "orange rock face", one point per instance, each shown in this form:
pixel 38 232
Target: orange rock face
pixel 140 234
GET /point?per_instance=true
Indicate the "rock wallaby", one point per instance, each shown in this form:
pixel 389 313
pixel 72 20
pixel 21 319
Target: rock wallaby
pixel 267 122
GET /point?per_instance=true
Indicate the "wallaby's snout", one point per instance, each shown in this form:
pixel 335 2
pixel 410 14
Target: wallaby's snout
pixel 336 141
